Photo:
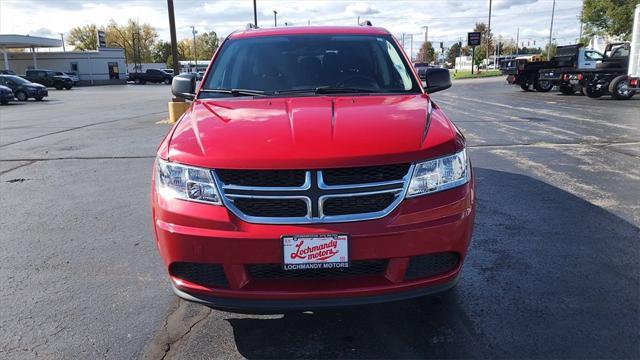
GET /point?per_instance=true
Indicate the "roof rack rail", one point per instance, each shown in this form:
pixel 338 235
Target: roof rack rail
pixel 366 23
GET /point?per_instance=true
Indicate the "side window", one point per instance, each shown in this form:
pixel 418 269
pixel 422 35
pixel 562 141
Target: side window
pixel 42 73
pixel 593 55
pixel 74 66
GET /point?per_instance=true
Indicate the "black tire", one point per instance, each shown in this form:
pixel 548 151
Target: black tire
pixel 137 81
pixel 4 102
pixel 58 85
pixel 39 98
pixel 22 96
pixel 68 87
pixel 616 85
pixel 543 85
pixel 591 92
pixel 167 81
pixel 524 87
pixel 143 82
pixel 567 90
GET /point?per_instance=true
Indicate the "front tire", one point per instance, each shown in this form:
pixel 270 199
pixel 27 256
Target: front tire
pixel 137 81
pixel 543 85
pixel 167 81
pixel 68 87
pixel 524 87
pixel 21 96
pixel 58 86
pixel 616 88
pixel 39 98
pixel 4 102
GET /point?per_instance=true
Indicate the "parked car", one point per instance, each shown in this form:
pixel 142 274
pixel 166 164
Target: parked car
pixel 421 68
pixel 312 169
pixel 49 78
pixel 24 89
pixel 7 72
pixel 151 75
pixel 168 71
pixel 73 75
pixel 6 95
pixel 611 76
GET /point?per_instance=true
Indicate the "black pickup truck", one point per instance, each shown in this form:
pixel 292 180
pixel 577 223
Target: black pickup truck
pixel 49 78
pixel 524 71
pixel 151 75
pixel 571 60
pixel 610 76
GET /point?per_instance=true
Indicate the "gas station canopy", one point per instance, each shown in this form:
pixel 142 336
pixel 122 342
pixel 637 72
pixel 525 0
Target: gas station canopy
pixel 12 41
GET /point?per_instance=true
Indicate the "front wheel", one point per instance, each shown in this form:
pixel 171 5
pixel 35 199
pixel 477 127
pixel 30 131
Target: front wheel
pixel 68 87
pixel 543 86
pixel 21 96
pixel 167 81
pixel 524 87
pixel 39 98
pixel 619 88
pixel 137 81
pixel 4 102
pixel 58 86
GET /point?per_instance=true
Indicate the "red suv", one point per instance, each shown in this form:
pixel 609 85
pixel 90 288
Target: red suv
pixel 312 169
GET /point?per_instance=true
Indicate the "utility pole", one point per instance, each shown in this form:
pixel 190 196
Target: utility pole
pixel 580 36
pixel 195 47
pixel 62 37
pixel 174 43
pixel 275 18
pixel 411 53
pixel 518 40
pixel 488 32
pixel 426 33
pixel 358 20
pixel 255 14
pixel 553 10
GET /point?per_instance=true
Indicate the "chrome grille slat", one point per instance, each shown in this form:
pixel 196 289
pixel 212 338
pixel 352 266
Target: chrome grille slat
pixel 315 192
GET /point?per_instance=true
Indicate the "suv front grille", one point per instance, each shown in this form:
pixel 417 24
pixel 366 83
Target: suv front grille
pixel 356 268
pixel 313 196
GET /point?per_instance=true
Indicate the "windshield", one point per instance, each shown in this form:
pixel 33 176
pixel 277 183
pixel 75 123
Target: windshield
pixel 300 63
pixel 17 79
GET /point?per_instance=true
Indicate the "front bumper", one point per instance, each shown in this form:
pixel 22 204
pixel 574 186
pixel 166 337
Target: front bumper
pixel 188 232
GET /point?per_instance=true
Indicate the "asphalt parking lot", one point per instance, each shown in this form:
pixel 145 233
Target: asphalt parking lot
pixel 553 269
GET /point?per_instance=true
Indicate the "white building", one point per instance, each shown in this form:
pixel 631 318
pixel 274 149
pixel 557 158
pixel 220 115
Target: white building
pixel 103 66
pixel 463 63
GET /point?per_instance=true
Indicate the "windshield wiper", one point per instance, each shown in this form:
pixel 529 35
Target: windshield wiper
pixel 325 90
pixel 235 92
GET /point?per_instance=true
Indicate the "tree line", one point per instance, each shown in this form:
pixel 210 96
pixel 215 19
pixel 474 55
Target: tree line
pixel 140 42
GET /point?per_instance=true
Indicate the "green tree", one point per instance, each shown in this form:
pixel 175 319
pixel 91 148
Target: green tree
pixel 136 39
pixel 608 17
pixel 207 44
pixel 453 52
pixel 427 53
pixel 487 37
pixel 161 52
pixel 83 38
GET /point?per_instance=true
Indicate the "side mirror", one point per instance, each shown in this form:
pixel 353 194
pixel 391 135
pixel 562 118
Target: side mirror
pixel 437 79
pixel 184 86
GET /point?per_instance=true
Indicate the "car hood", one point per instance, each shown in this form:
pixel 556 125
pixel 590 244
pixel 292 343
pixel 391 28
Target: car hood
pixel 310 132
pixel 34 85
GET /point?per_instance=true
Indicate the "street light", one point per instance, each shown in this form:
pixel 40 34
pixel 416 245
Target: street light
pixel 195 47
pixel 275 18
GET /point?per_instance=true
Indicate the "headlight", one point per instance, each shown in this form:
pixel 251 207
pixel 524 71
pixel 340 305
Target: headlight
pixel 439 174
pixel 186 183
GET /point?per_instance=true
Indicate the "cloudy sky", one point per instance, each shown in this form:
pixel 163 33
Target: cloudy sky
pixel 448 20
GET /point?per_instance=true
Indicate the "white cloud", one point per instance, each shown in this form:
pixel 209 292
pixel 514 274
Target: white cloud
pixel 507 4
pixel 361 8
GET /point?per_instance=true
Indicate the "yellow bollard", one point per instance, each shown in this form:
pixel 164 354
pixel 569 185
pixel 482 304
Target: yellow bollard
pixel 176 109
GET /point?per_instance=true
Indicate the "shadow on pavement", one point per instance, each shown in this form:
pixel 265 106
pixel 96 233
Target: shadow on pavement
pixel 548 275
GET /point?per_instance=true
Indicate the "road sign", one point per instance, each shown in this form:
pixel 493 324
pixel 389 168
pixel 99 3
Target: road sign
pixel 474 38
pixel 102 39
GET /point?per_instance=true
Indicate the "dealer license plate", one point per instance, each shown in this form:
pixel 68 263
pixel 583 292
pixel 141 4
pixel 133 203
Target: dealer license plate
pixel 315 251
